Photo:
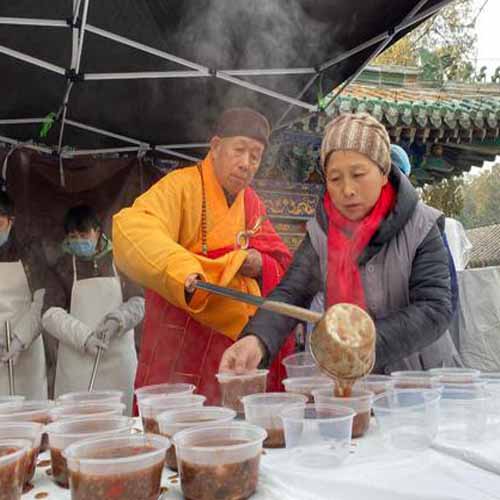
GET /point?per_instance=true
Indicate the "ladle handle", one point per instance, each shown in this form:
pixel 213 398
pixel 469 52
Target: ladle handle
pixel 97 360
pixel 270 305
pixel 10 363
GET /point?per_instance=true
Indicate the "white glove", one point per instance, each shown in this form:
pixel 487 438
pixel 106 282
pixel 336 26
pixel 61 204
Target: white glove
pixel 108 329
pixel 128 315
pixel 66 328
pixel 93 342
pixel 16 348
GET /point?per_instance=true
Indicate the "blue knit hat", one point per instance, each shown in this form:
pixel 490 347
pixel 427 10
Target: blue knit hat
pixel 399 157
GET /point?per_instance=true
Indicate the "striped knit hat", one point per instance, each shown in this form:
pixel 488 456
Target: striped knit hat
pixel 358 132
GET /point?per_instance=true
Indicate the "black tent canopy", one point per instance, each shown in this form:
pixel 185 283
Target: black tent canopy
pixel 136 75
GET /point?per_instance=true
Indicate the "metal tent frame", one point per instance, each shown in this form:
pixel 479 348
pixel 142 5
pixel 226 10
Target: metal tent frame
pixel 79 27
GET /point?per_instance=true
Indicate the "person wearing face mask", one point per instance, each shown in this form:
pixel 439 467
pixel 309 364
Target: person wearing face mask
pixel 202 222
pixel 99 310
pixel 372 243
pixel 24 278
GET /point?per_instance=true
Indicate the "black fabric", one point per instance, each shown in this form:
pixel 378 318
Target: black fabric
pixel 218 34
pixel 399 334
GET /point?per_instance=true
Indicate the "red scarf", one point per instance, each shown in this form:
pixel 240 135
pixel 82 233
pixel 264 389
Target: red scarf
pixel 346 242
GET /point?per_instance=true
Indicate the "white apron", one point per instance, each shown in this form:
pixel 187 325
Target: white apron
pixel 91 300
pixel 30 375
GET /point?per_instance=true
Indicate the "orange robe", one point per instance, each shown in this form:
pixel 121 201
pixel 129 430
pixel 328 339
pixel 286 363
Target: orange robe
pixel 158 243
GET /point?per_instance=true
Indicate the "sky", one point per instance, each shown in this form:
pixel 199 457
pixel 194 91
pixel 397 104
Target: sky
pixel 488 48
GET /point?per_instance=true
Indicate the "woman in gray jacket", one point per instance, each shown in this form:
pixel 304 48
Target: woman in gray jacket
pixel 372 243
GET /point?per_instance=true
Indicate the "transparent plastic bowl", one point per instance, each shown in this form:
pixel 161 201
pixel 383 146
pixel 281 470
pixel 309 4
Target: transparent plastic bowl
pixel 86 410
pixel 219 461
pixel 173 421
pixel 464 414
pixel 90 397
pixel 11 399
pixel 264 410
pixel 360 401
pixel 234 387
pixel 375 383
pixel 413 379
pixel 306 385
pixel 493 387
pixel 28 411
pixel 13 467
pixel 65 432
pixel 408 418
pixel 163 390
pixel 455 375
pixel 30 431
pixel 125 467
pixel 321 433
pixel 150 408
pixel 301 365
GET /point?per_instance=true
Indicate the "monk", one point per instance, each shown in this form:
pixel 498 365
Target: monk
pixel 203 222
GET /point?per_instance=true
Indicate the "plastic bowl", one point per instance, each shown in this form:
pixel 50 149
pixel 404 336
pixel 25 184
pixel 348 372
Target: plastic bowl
pixel 377 384
pixel 125 467
pixel 234 387
pixel 173 421
pixel 11 399
pixel 30 431
pixel 408 418
pixel 65 432
pixel 264 410
pixel 13 467
pixel 360 401
pixel 464 414
pixel 86 410
pixel 163 390
pixel 90 397
pixel 150 408
pixel 219 461
pixel 414 379
pixel 301 365
pixel 456 375
pixel 28 411
pixel 493 387
pixel 320 432
pixel 305 385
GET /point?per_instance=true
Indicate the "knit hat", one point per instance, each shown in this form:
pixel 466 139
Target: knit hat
pixel 399 157
pixel 358 132
pixel 245 122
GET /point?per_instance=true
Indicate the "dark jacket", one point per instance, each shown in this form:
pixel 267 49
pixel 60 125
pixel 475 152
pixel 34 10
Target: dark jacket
pixel 400 333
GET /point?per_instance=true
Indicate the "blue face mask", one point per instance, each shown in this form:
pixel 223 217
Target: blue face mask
pixel 4 236
pixel 82 248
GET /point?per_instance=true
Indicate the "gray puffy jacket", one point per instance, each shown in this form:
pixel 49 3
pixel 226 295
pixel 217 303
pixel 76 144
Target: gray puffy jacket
pixel 406 281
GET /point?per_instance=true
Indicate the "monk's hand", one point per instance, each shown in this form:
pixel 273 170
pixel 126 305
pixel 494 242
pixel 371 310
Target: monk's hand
pixel 252 267
pixel 189 287
pixel 243 356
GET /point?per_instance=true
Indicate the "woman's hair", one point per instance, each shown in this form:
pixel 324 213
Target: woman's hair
pixel 81 218
pixel 6 205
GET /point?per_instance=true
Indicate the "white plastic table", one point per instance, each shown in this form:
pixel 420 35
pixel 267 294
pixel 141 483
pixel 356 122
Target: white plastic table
pixel 372 472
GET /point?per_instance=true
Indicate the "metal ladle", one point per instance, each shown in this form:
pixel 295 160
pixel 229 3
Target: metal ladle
pixel 343 340
pixel 10 363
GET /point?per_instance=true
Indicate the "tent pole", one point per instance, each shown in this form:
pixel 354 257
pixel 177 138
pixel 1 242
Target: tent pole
pixel 32 60
pixel 15 142
pixel 203 69
pixel 377 39
pixel 85 152
pixel 75 64
pixel 145 74
pixel 193 145
pixel 27 21
pixel 20 121
pixel 124 138
pixel 269 72
pixel 376 52
pixel 145 48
